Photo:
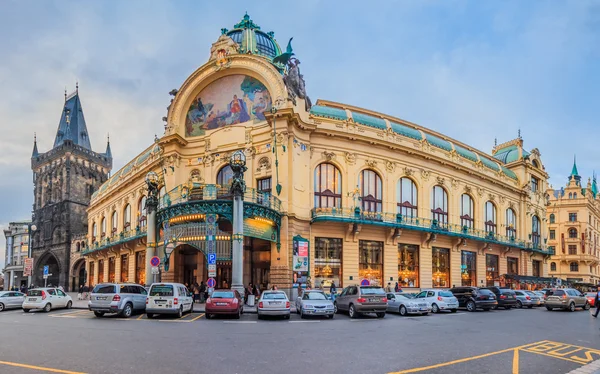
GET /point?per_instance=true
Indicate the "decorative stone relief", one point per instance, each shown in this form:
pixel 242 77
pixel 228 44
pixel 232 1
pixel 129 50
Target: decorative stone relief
pixel 480 191
pixel 250 152
pixel 390 166
pixel 440 180
pixel 328 155
pixel 207 145
pixel 195 176
pixel 502 199
pixel 408 171
pixel 491 197
pixel 264 163
pixel 350 158
pixel 425 175
pixel 248 136
pixel 370 163
pixel 511 205
pixel 454 183
pixel 209 159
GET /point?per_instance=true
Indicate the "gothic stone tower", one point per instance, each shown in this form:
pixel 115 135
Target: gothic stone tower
pixel 64 179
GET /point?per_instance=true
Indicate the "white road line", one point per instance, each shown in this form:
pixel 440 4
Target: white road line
pixel 304 322
pixel 239 321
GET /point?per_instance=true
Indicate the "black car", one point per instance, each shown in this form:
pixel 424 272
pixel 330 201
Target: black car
pixel 506 297
pixel 474 298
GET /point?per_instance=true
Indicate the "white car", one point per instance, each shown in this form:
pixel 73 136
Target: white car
pixel 273 303
pixel 11 299
pixel 46 299
pixel 439 300
pixel 168 298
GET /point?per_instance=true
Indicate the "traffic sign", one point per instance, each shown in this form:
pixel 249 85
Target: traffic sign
pixel 211 282
pixel 155 270
pixel 365 282
pixel 212 258
pixel 212 273
pixel 212 267
pixel 46 268
pixel 155 261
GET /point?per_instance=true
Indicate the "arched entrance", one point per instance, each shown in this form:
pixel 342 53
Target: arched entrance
pixel 53 268
pixel 189 265
pixel 78 275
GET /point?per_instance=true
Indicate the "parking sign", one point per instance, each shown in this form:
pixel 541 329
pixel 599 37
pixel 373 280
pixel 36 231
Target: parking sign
pixel 212 258
pixel 46 268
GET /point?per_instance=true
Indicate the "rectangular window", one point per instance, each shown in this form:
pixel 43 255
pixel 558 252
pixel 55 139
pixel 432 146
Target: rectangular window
pixel 124 268
pixel 491 269
pixel 111 269
pixel 91 276
pixel 328 261
pixel 572 249
pixel 512 265
pixel 468 268
pixel 572 217
pixel 536 266
pixel 264 185
pixel 440 267
pixel 371 261
pixel 408 265
pixel 552 234
pixel 534 184
pixel 140 267
pixel 101 271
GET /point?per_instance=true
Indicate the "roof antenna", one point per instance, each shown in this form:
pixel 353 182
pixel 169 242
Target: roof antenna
pixel 519 134
pixel 35 137
pixel 495 142
pixel 65 94
pixel 77 87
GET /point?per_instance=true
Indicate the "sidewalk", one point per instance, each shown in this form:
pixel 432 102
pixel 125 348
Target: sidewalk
pixel 593 368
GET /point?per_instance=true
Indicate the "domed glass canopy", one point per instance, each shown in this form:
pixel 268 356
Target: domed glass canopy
pixel 252 40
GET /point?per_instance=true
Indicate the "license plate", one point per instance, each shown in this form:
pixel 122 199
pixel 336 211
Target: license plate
pixel 274 302
pixel 374 300
pixel 319 311
pixel 32 299
pixel 221 303
pixel 160 301
pixel 101 298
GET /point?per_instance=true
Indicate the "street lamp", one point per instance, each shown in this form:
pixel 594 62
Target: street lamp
pixel 238 158
pixel 30 228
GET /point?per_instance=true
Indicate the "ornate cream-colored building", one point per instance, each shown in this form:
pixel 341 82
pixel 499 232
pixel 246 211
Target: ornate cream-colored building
pixel 573 216
pixel 335 192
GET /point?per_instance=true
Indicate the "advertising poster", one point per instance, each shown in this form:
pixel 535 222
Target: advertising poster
pixel 300 255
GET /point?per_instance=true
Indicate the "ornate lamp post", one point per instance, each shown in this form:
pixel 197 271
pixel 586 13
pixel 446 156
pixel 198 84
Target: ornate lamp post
pixel 30 229
pixel 237 162
pixel 151 205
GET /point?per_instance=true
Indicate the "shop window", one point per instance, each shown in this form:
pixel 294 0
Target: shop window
pixel 111 269
pixel 224 176
pixel 572 233
pixel 328 261
pixel 535 231
pixel 142 212
pixel 124 268
pixel 328 186
pixel 553 266
pixel 439 205
pixel 127 217
pixel 536 266
pixel 466 211
pixel 492 272
pixel 370 190
pixel 91 275
pixel 101 271
pixel 552 218
pixel 552 234
pixel 572 217
pixel 490 217
pixel 407 198
pixel 408 265
pixel 572 249
pixel 512 265
pixel 468 268
pixel 574 266
pixel 371 261
pixel 511 223
pixel 441 267
pixel 140 267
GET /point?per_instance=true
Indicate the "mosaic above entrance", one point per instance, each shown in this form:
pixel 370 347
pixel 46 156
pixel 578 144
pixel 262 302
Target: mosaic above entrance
pixel 227 101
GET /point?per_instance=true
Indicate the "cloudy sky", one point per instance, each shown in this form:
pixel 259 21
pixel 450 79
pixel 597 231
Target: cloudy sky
pixel 473 70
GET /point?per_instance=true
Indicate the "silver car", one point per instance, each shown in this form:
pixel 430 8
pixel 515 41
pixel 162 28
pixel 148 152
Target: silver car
pixel 11 299
pixel 314 303
pixel 400 303
pixel 524 299
pixel 439 300
pixel 274 303
pixel 123 299
pixel 536 300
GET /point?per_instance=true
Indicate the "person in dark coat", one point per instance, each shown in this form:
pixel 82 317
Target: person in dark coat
pixel 597 303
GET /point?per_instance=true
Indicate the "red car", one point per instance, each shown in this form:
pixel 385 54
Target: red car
pixel 226 302
pixel 591 297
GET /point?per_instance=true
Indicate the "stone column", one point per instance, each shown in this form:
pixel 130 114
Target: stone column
pixel 237 263
pixel 151 242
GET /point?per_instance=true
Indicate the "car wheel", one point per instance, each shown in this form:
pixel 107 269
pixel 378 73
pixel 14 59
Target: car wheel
pixel 180 312
pixel 453 310
pixel 69 304
pixel 335 308
pixel 508 307
pixel 403 312
pixel 572 307
pixel 287 316
pixel 548 308
pixel 352 311
pixel 495 307
pixel 1 307
pixel 586 306
pixel 471 307
pixel 331 316
pixel 435 308
pixel 150 315
pixel 127 311
pixel 259 316
pixel 25 310
pixel 519 304
pixel 486 309
pixel 424 314
pixel 380 314
pixel 99 314
pixel 47 308
pixel 530 306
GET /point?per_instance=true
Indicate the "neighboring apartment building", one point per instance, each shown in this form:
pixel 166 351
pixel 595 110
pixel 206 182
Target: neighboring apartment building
pixel 573 216
pixel 17 246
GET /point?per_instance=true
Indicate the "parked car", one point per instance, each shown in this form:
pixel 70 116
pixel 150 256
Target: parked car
pixel 474 298
pixel 542 296
pixel 439 300
pixel 536 300
pixel 273 303
pixel 591 298
pixel 112 298
pixel 224 302
pixel 524 299
pixel 357 300
pixel 11 299
pixel 168 298
pixel 566 299
pixel 506 297
pixel 400 303
pixel 46 299
pixel 314 303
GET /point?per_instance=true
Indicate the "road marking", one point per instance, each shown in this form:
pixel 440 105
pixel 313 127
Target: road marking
pixel 41 368
pixel 69 313
pixel 304 322
pixel 195 318
pixel 140 317
pixel 239 322
pixel 567 352
pixel 516 362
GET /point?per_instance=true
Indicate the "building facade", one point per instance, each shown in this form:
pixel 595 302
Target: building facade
pixel 64 179
pixel 573 216
pixel 335 193
pixel 17 250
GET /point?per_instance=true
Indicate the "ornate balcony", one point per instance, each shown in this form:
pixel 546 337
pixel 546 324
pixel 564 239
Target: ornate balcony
pixel 395 220
pixel 120 238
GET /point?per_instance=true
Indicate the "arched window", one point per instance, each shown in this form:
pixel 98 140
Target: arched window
pixel 78 249
pixel 552 218
pixel 574 266
pixel 466 211
pixel 572 233
pixel 553 266
pixel 370 189
pixel 490 217
pixel 328 186
pixel 114 222
pixel 570 195
pixel 511 223
pixel 94 232
pixel 224 176
pixel 142 212
pixel 535 164
pixel 127 217
pixel 574 195
pixel 439 205
pixel 406 197
pixel 535 231
pixel 103 227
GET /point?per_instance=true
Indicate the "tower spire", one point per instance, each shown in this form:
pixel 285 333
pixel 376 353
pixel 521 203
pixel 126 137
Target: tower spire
pixel 108 152
pixel 35 150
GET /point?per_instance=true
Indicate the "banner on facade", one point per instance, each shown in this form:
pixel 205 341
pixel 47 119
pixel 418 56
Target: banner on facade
pixel 260 230
pixel 28 267
pixel 300 254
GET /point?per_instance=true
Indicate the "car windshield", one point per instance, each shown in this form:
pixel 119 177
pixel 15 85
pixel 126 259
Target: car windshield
pixel 446 294
pixel 273 296
pixel 161 290
pixel 556 292
pixel 222 295
pixel 486 292
pixel 372 291
pixel 34 293
pixel 103 288
pixel 314 296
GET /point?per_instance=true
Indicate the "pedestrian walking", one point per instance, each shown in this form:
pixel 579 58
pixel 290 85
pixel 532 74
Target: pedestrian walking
pixel 80 293
pixel 274 288
pixel 85 291
pixel 196 293
pixel 597 303
pixel 332 291
pixel 396 287
pixel 202 292
pixel 389 287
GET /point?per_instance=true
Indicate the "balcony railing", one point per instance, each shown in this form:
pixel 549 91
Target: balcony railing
pixel 205 192
pixel 396 220
pixel 122 237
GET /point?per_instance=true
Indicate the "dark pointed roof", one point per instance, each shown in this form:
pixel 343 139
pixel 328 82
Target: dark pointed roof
pixel 35 152
pixel 574 173
pixel 72 123
pixel 108 152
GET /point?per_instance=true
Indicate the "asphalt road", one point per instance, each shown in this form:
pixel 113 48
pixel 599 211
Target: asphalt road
pixel 515 341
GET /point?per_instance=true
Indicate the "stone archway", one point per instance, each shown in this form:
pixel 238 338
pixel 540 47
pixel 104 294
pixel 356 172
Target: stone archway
pixel 78 274
pixel 54 268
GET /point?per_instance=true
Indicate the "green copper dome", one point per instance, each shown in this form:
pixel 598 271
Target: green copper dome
pixel 252 40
